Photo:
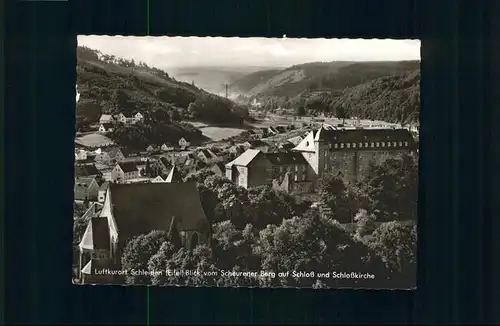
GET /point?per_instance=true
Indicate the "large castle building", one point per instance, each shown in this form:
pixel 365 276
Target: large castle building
pixel 344 152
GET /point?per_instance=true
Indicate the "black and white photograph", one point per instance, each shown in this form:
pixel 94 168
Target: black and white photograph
pixel 246 162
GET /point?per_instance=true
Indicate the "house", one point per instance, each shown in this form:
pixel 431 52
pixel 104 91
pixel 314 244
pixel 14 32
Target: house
pixel 174 176
pixel 101 195
pixel 349 151
pixel 80 155
pixel 86 170
pixel 281 129
pixel 207 156
pixel 106 127
pixel 125 216
pixel 110 155
pixel 219 169
pixel 158 179
pixel 151 148
pixel 138 117
pixel 271 131
pixel 183 143
pixel 166 148
pixel 86 189
pixel 250 169
pixel 121 118
pixel 256 144
pixel 286 146
pixel 125 171
pixel 106 118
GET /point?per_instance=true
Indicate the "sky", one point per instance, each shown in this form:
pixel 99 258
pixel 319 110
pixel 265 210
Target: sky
pixel 171 52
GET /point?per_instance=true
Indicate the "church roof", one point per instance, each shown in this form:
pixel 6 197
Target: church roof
pixel 174 175
pixel 245 158
pixel 139 208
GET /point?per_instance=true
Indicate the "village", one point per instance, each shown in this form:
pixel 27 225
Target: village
pixel 285 147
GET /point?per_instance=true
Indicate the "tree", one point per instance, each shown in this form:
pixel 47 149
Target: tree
pixel 340 113
pixel 267 207
pixel 365 223
pixel 138 251
pixel 396 244
pixel 334 198
pixel 315 244
pixel 393 188
pixel 300 111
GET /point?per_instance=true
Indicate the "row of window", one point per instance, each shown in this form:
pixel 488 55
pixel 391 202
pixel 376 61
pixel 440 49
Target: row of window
pixel 371 145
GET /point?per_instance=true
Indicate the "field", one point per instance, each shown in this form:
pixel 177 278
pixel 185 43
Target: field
pixel 219 133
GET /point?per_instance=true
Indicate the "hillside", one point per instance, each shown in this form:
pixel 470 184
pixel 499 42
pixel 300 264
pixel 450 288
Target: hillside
pixel 109 85
pixel 393 99
pixel 324 76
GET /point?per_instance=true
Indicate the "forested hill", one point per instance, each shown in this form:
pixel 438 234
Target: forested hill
pixel 393 99
pixel 109 85
pixel 317 76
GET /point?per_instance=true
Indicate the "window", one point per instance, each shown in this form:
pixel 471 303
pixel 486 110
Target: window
pixel 303 177
pixel 406 144
pixel 296 168
pixel 377 144
pixel 296 178
pixel 348 145
pixel 400 143
pixel 383 144
pixel 353 145
pixel 366 144
pixel 360 145
pixel 342 145
pixel 372 145
pixel 281 169
pixel 336 145
pixel 394 144
pixel 388 144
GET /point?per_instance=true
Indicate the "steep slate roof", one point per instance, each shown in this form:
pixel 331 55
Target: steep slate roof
pixel 128 166
pixel 174 176
pixel 363 135
pixel 81 186
pixel 85 170
pixel 289 158
pixel 142 207
pixel 245 158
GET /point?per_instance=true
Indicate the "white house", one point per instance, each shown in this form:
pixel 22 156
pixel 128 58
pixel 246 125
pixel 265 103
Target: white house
pixel 166 148
pixel 138 117
pixel 80 155
pixel 124 172
pixel 106 118
pixel 158 179
pixel 183 143
pixel 106 127
pixel 207 156
pixel 121 118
